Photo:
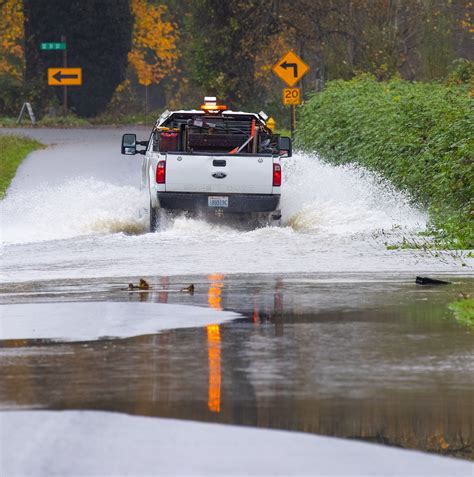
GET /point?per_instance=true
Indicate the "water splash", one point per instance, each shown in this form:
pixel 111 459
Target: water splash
pixel 343 200
pixel 335 219
pixel 317 199
pixel 77 207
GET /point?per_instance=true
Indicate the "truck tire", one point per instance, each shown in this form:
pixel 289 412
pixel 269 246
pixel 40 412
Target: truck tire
pixel 160 219
pixel 154 219
pixel 266 220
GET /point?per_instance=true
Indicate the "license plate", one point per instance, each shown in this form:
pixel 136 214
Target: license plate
pixel 218 201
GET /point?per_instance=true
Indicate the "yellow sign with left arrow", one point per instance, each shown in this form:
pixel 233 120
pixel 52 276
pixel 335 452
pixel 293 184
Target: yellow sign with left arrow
pixel 65 76
pixel 290 68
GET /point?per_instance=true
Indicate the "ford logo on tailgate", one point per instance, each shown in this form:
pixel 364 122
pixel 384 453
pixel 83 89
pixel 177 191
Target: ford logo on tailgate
pixel 219 175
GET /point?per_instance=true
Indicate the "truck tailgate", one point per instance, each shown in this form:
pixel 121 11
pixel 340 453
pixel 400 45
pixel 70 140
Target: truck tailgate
pixel 219 174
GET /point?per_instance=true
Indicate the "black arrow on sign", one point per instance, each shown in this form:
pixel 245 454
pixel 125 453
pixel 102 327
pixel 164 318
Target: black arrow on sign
pixel 59 76
pixel 286 65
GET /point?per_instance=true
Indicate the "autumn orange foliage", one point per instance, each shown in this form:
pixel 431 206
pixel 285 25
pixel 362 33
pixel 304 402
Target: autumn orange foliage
pixel 154 52
pixel 11 38
pixel 466 21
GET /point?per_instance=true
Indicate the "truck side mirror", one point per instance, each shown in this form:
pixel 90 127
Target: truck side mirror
pixel 284 146
pixel 129 144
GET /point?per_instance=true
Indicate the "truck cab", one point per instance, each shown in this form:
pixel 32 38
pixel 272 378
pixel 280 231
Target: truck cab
pixel 212 163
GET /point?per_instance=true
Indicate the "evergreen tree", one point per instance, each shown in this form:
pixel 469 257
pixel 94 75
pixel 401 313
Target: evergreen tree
pixel 98 36
pixel 223 41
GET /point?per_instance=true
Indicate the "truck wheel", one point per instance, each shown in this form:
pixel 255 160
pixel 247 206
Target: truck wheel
pixel 154 219
pixel 275 219
pixel 266 220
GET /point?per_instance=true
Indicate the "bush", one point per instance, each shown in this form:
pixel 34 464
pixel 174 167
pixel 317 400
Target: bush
pixel 10 95
pixel 418 135
pixel 462 72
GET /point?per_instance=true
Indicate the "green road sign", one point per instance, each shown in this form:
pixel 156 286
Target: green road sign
pixel 53 46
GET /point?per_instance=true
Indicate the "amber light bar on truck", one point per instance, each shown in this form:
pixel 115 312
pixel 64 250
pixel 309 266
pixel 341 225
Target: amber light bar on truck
pixel 210 105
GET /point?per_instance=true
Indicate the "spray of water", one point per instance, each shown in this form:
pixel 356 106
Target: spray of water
pixel 77 207
pixel 317 199
pixel 334 219
pixel 343 200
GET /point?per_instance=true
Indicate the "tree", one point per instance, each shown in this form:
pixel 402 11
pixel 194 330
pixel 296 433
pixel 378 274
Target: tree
pixel 154 53
pixel 224 39
pixel 11 38
pixel 98 40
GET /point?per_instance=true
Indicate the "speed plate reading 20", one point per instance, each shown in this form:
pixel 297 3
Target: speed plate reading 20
pixel 291 96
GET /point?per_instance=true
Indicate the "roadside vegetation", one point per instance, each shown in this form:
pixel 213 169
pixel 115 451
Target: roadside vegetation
pixel 417 135
pixel 166 54
pixel 13 149
pixel 74 121
pixel 464 311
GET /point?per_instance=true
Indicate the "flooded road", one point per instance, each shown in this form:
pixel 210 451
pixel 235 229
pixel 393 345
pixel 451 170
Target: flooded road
pixel 74 210
pixel 364 358
pixel 333 336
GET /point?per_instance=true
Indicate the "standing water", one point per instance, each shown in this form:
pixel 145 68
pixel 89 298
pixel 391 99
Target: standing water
pixel 323 345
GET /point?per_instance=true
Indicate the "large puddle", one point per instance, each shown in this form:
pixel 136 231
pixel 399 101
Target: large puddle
pixel 368 357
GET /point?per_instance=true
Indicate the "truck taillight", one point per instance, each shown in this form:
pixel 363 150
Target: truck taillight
pixel 276 175
pixel 161 172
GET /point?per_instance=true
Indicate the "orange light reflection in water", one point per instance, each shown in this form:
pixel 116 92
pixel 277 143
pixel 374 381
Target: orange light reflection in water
pixel 214 354
pixel 214 344
pixel 214 293
pixel 255 316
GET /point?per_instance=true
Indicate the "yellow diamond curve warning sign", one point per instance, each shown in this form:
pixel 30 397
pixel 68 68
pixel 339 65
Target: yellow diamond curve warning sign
pixel 290 68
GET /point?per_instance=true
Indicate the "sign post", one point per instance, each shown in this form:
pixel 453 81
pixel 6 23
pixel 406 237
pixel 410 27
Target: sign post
pixel 290 69
pixel 63 40
pixel 62 76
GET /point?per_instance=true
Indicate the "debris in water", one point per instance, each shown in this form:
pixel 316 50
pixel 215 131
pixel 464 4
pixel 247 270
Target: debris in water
pixel 430 281
pixel 189 289
pixel 142 285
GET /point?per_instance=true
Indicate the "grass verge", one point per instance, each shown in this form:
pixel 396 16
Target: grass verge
pixel 464 311
pixel 417 135
pixel 13 149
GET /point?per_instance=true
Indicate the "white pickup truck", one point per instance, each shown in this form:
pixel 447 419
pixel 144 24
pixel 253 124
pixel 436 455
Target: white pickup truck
pixel 212 163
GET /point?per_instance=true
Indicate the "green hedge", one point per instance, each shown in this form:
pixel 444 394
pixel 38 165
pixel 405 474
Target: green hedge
pixel 417 135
